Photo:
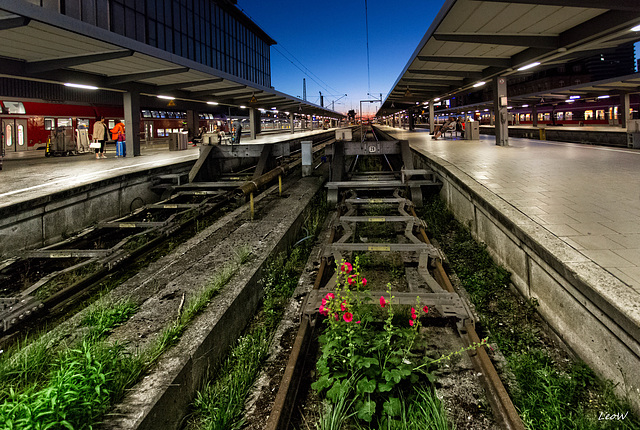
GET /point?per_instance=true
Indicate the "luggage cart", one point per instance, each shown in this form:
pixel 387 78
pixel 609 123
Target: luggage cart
pixel 61 143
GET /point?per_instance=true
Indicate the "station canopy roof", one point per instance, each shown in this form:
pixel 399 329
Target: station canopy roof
pixel 43 46
pixel 473 41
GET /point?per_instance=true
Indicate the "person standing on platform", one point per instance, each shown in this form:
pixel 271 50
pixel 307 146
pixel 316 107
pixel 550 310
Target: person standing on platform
pixel 101 134
pixel 117 134
pixel 238 132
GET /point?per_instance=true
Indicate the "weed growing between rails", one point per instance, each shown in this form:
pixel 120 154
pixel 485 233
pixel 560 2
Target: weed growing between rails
pixel 552 390
pixel 220 405
pixel 70 380
pixel 374 355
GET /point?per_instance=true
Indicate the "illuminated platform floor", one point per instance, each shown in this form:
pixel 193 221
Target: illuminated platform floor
pixel 587 196
pixel 28 175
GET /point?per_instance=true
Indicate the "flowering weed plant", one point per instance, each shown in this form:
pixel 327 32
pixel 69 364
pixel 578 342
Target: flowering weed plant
pixel 373 345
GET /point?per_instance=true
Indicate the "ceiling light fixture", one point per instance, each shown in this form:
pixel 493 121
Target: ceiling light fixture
pixel 574 97
pixel 166 97
pixel 212 103
pixel 636 28
pixel 479 84
pixel 84 87
pixel 529 66
pixel 525 105
pixel 604 97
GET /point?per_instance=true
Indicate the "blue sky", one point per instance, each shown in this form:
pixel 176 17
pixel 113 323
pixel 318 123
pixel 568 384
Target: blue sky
pixel 328 38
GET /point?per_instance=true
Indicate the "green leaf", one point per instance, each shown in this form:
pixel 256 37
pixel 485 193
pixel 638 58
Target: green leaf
pixel 322 383
pixel 392 407
pixel 387 386
pixel 335 392
pixel 367 410
pixel 366 386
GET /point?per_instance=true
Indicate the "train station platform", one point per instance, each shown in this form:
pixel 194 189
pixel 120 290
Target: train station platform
pixel 585 195
pixel 564 219
pixel 29 175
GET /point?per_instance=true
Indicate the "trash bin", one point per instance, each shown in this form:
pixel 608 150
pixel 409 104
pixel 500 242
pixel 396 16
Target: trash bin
pixel 472 130
pixel 633 133
pixel 177 141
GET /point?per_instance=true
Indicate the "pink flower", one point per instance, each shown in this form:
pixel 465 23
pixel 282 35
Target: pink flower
pixel 358 322
pixel 324 311
pixel 411 323
pixel 324 301
pixel 336 317
pixel 352 279
pixel 383 302
pixel 426 309
pixel 364 281
pixel 329 296
pixel 347 317
pixel 343 306
pixel 413 314
pixel 346 267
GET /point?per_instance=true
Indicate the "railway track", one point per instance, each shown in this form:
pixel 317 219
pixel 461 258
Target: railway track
pixel 40 285
pixel 376 224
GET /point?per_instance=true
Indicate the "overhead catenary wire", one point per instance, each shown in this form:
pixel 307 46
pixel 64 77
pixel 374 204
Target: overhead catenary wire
pixel 366 22
pixel 305 70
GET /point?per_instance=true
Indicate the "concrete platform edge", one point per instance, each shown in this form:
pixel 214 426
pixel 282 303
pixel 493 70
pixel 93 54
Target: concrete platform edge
pixel 593 312
pixel 161 399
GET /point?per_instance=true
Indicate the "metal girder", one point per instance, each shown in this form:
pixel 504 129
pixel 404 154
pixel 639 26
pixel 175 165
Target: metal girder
pixel 183 85
pixel 534 41
pixel 61 63
pixel 436 82
pixel 456 73
pixel 478 61
pixel 215 91
pixel 623 5
pixel 598 26
pixel 241 94
pixel 14 22
pixel 121 79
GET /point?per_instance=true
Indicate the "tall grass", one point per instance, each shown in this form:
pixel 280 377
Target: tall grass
pixel 220 404
pixel 51 386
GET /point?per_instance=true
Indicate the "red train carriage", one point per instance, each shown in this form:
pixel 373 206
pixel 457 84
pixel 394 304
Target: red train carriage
pixel 28 125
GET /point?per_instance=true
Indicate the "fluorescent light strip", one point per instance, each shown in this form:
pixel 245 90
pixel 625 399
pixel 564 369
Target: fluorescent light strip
pixel 84 87
pixel 529 66
pixel 479 84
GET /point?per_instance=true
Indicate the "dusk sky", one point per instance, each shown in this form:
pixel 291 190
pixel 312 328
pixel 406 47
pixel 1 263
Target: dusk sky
pixel 328 38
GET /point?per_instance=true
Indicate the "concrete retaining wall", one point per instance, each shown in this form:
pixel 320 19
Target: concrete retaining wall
pixel 593 312
pixel 51 218
pixel 161 400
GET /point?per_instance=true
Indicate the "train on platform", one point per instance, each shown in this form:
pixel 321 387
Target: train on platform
pixel 598 112
pixel 29 125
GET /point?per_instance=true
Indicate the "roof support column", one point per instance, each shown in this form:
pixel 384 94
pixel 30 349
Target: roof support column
pixel 291 122
pixel 412 120
pixel 500 110
pixel 431 119
pixel 252 122
pixel 131 101
pixel 193 123
pixel 534 115
pixel 624 106
pixel 311 121
pixel 393 121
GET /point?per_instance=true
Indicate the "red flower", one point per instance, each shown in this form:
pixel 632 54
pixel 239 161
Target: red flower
pixel 411 323
pixel 343 306
pixel 346 267
pixel 364 282
pixel 324 311
pixel 413 314
pixel 329 296
pixel 348 317
pixel 426 309
pixel 383 302
pixel 352 279
pixel 358 322
pixel 324 301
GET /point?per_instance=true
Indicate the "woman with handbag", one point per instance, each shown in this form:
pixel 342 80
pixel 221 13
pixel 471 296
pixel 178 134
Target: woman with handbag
pixel 100 135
